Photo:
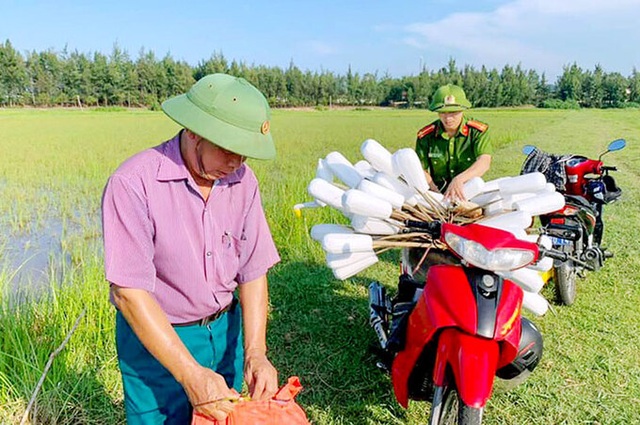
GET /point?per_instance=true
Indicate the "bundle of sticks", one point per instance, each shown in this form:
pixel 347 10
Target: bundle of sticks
pixel 382 192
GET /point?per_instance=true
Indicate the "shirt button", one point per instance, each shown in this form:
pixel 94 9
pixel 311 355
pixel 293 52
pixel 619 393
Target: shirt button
pixel 208 253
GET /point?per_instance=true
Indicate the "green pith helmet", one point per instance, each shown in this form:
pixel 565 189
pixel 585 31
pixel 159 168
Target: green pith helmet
pixel 449 98
pixel 227 111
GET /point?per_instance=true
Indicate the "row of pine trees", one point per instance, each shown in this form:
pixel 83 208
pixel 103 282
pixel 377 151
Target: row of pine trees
pixel 50 78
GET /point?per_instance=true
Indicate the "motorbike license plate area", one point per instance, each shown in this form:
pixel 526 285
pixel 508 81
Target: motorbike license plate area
pixel 559 241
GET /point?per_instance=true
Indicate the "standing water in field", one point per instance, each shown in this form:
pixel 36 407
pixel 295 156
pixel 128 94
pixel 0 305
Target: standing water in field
pixel 34 259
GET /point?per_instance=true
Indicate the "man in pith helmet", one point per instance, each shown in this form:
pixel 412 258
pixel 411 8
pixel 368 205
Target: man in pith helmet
pixel 454 148
pixel 184 228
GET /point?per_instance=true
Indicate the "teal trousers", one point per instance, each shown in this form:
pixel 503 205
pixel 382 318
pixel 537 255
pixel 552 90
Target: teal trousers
pixel 151 393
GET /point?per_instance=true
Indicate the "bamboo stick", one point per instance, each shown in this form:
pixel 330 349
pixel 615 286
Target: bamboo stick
pixel 391 244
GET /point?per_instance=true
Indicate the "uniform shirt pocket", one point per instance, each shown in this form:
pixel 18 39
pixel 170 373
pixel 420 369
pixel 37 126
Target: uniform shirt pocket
pixel 466 161
pixel 466 157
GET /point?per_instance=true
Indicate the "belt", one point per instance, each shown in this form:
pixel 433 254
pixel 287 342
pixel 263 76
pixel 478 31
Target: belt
pixel 215 316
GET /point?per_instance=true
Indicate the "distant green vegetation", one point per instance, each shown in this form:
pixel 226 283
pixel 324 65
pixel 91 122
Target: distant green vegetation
pixel 54 166
pixel 71 78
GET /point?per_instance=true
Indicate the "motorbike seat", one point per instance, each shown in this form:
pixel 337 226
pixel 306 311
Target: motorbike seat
pixel 578 200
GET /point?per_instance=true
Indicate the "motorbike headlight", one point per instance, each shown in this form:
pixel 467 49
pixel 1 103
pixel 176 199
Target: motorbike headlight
pixel 498 259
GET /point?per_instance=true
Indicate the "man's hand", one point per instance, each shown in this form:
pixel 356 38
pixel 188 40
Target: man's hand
pixel 455 191
pixel 260 375
pixel 209 394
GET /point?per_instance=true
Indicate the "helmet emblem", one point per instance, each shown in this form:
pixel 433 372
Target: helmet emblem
pixel 450 100
pixel 264 129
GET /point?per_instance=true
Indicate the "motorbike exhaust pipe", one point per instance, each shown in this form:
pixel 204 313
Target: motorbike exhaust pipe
pixel 379 310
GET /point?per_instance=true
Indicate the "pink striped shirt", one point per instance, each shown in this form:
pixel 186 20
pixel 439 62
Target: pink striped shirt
pixel 161 236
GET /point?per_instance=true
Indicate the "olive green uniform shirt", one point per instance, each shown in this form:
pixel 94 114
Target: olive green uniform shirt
pixel 444 157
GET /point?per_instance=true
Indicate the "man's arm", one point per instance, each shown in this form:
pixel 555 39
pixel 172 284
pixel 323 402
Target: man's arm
pixel 152 327
pixel 259 373
pixel 477 169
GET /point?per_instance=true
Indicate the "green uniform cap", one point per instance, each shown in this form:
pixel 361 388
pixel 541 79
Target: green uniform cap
pixel 227 111
pixel 449 98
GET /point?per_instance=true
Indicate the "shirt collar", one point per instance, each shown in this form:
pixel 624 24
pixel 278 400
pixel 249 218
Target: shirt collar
pixel 172 166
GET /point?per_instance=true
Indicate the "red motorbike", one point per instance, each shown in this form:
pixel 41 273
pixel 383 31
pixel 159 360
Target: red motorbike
pixel 578 228
pixel 445 339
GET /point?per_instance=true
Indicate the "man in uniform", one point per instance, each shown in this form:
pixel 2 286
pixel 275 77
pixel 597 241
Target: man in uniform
pixel 454 148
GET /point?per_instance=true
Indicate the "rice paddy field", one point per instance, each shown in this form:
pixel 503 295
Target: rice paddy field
pixel 54 165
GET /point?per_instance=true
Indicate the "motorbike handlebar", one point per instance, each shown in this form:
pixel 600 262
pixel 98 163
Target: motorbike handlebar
pixel 553 253
pixel 433 228
pixel 563 256
pixel 608 168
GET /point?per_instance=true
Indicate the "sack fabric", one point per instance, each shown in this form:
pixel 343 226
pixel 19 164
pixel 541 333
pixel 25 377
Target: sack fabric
pixel 281 409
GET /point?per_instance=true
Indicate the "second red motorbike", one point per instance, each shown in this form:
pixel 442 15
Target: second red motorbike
pixel 578 228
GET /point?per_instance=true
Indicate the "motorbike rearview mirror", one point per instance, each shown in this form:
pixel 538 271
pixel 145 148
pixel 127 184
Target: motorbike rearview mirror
pixel 527 149
pixel 616 145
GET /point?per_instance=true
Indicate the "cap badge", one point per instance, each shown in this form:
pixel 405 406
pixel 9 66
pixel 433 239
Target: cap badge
pixel 264 129
pixel 450 100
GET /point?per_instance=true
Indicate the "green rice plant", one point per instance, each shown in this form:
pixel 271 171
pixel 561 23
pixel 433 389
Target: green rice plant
pixel 53 173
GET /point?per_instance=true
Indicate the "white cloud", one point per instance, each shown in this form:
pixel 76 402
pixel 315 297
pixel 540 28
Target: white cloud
pixel 540 34
pixel 576 7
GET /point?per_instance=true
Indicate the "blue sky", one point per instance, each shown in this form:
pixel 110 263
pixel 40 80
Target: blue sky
pixel 376 36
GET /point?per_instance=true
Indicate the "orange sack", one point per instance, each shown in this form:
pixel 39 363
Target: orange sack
pixel 281 409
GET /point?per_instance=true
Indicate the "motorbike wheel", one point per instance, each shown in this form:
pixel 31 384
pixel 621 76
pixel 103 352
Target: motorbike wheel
pixel 455 412
pixel 565 277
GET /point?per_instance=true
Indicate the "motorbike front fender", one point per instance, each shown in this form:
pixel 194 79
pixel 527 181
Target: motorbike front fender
pixel 473 361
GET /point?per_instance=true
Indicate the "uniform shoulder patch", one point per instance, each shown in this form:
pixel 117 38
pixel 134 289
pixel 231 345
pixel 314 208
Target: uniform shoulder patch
pixel 482 127
pixel 426 130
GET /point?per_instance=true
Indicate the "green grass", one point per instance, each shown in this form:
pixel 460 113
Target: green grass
pixel 55 164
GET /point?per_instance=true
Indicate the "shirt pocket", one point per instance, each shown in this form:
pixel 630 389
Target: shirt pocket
pixel 231 250
pixel 466 157
pixel 439 168
pixel 466 160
